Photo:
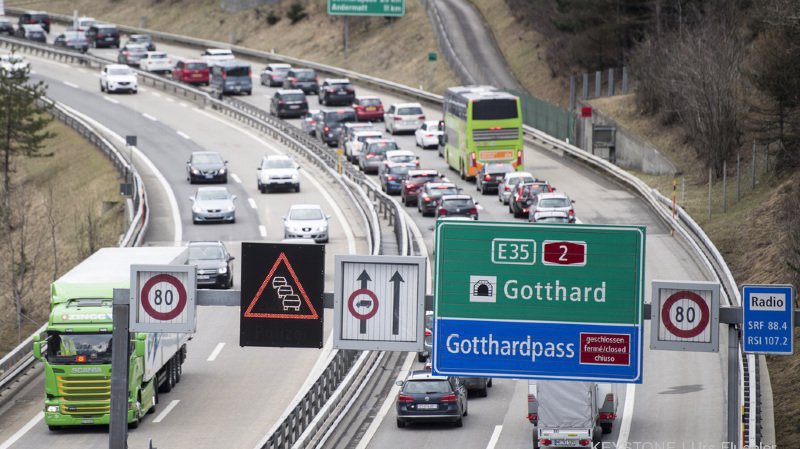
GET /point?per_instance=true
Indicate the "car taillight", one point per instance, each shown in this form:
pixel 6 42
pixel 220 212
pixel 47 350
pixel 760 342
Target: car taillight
pixel 607 416
pixel 398 117
pixel 224 75
pixel 585 442
pixel 506 188
pixel 281 102
pixel 487 178
pixel 442 211
pixel 274 76
pixel 428 135
pixel 428 332
pixel 325 129
pixel 572 212
pixel 474 211
pixel 545 442
pixel 427 199
pixel 126 53
pixel 422 117
pixel 533 417
pixel 404 398
pixel 524 210
pixel 390 178
pixel 473 160
pixel 416 162
pixel 370 155
pixel 449 398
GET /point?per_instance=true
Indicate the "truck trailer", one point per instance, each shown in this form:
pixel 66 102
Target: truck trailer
pixel 76 345
pixel 570 414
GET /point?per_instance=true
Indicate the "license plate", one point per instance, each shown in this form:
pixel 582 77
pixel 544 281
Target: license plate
pixel 340 92
pixel 202 276
pixel 87 421
pixel 209 176
pixel 294 106
pixel 564 442
pixel 427 406
pixel 371 108
pixel 196 75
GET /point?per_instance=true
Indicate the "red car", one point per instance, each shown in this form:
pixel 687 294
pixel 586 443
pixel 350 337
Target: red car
pixel 412 185
pixel 368 109
pixel 191 71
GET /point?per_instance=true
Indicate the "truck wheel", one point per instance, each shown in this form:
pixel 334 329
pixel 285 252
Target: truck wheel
pixel 459 422
pixel 169 379
pixel 422 358
pixel 178 368
pixel 489 384
pixel 607 426
pixel 483 393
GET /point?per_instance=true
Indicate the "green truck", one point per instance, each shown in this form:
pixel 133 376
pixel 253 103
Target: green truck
pixel 76 345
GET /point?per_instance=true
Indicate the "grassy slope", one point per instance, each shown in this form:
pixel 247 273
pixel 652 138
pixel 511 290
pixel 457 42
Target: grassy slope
pixel 81 179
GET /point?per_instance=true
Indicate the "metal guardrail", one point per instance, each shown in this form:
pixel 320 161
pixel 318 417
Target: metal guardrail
pixel 710 254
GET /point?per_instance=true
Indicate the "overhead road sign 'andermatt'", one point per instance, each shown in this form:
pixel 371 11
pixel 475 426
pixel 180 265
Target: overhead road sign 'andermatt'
pixel 539 301
pixel 386 8
pixel 379 303
pixel 685 316
pixel 163 298
pixel 768 319
pixel 281 299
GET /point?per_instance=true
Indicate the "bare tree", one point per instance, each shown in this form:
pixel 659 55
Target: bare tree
pixel 53 225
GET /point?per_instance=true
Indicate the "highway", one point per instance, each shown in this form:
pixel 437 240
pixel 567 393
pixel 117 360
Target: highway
pixel 681 399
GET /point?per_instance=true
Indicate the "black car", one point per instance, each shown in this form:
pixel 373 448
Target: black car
pixel 457 206
pixel 303 79
pixel 331 122
pixel 523 195
pixel 213 262
pixel 6 27
pixel 428 198
pixel 206 166
pixel 392 175
pixel 32 33
pixel 424 397
pixel 75 40
pixel 491 176
pixel 288 103
pixel 103 35
pixel 336 92
pixel 35 17
pixel 144 39
pixel 131 54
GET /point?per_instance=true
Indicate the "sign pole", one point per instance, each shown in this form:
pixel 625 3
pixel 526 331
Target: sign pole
pixel 733 386
pixel 346 33
pixel 118 425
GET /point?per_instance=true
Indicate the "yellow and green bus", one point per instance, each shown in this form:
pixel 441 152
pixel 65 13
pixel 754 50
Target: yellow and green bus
pixel 482 125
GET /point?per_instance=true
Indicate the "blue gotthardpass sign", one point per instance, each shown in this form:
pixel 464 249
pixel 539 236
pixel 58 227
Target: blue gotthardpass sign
pixel 768 319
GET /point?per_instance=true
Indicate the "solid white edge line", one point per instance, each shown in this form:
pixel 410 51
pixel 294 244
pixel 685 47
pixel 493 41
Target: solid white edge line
pixel 627 417
pixel 387 403
pixel 252 203
pixel 495 437
pixel 72 85
pixel 149 117
pixel 348 231
pixel 173 203
pixel 184 135
pixel 215 352
pixel 262 230
pixel 110 100
pixel 166 411
pixel 236 178
pixel 21 432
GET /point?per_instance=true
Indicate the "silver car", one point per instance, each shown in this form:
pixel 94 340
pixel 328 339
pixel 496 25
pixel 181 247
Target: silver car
pixel 213 204
pixel 506 188
pixel 306 221
pixel 278 171
pixel 547 204
pixel 371 157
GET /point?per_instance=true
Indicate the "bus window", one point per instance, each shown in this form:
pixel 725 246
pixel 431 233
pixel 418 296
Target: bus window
pixel 494 109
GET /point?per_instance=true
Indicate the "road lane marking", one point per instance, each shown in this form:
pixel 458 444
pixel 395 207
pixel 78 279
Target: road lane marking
pixel 341 218
pixel 156 94
pixel 170 99
pixel 262 230
pixel 495 437
pixel 252 203
pixel 236 178
pixel 149 117
pixel 167 409
pixel 141 89
pixel 183 105
pixel 215 352
pixel 109 99
pixel 21 432
pixel 627 416
pixel 72 85
pixel 184 135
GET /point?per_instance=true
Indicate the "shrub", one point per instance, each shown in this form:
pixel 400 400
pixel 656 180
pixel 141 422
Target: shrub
pixel 296 13
pixel 273 18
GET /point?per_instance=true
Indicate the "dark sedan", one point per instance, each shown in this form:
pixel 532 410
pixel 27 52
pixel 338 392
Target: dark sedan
pixel 75 40
pixel 424 397
pixel 131 54
pixel 457 206
pixel 206 166
pixel 392 175
pixel 491 176
pixel 6 27
pixel 412 185
pixel 520 200
pixel 431 193
pixel 213 262
pixel 32 33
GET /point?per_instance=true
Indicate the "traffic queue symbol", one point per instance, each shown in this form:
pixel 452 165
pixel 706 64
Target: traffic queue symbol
pixel 482 288
pixel 284 300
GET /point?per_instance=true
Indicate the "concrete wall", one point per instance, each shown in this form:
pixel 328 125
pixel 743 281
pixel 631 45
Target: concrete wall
pixel 631 151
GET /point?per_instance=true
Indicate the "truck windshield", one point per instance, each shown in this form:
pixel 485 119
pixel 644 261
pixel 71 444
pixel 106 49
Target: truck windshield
pixel 79 348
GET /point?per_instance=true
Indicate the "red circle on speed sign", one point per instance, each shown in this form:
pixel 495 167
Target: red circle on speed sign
pixel 693 331
pixel 145 297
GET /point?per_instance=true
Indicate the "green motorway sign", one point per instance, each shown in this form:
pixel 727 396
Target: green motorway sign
pixel 392 8
pixel 576 287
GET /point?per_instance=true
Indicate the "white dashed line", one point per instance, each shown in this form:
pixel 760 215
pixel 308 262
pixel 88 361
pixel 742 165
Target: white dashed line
pixel 252 203
pixel 82 70
pixel 184 135
pixel 149 117
pixel 495 437
pixel 236 178
pixel 262 230
pixel 215 352
pixel 110 100
pixel 156 94
pixel 183 105
pixel 170 99
pixel 141 89
pixel 167 410
pixel 72 85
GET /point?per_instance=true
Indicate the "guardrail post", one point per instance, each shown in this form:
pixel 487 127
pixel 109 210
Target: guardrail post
pixel 598 81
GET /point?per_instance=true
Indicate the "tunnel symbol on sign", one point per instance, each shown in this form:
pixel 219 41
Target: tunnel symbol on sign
pixel 483 288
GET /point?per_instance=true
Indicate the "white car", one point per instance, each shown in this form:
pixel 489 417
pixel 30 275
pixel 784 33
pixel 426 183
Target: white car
pixel 306 221
pixel 118 77
pixel 403 117
pixel 13 63
pixel 156 62
pixel 213 56
pixel 353 146
pixel 401 156
pixel 427 135
pixel 278 171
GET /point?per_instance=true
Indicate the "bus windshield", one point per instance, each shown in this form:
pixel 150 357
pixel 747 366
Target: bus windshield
pixel 494 109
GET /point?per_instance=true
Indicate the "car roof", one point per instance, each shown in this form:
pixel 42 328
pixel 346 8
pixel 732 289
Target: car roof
pixel 210 188
pixel 456 197
pixel 117 66
pixel 436 184
pixel 279 65
pixel 290 91
pixel 405 105
pixel 205 243
pixel 141 35
pixel 424 375
pixel 276 157
pixel 104 25
pixel 368 97
pixel 337 80
pixel 33 26
pixel 190 60
pixel 301 69
pixel 427 171
pixel 130 44
pixel 519 174
pixel 544 195
pixel 233 63
pixel 202 152
pixel 381 140
pixel 156 53
pixel 218 51
pixel 359 125
pixel 368 132
pixel 391 153
pixel 305 206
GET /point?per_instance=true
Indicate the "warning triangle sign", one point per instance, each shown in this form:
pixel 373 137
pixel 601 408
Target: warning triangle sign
pixel 281 295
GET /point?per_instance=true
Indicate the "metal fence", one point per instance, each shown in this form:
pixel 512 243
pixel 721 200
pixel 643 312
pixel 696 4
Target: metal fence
pixel 547 117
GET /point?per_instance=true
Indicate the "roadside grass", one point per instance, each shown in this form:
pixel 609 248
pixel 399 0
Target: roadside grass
pixel 72 198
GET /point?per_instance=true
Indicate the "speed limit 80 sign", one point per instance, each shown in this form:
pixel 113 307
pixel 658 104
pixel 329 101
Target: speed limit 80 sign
pixel 685 316
pixel 163 298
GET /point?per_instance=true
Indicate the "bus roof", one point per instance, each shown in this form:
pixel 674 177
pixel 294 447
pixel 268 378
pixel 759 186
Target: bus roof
pixel 488 95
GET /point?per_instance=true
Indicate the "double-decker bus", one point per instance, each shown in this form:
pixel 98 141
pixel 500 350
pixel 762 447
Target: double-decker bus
pixel 482 125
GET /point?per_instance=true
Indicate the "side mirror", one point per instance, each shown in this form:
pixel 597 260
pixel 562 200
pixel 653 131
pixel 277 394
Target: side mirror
pixel 230 258
pixel 554 189
pixel 283 218
pixel 573 201
pixel 191 198
pixel 139 345
pixel 258 168
pixel 233 198
pixel 399 383
pixel 328 217
pixel 37 347
pixel 476 203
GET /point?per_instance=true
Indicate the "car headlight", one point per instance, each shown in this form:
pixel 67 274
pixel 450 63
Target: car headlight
pixel 197 209
pixel 295 177
pixel 222 171
pixel 195 171
pixel 52 408
pixel 230 208
pixel 222 270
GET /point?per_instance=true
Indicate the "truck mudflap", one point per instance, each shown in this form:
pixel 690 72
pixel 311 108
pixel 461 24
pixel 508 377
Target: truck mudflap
pixel 565 438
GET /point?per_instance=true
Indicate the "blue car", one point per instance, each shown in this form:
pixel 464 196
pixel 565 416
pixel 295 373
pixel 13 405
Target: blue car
pixel 392 174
